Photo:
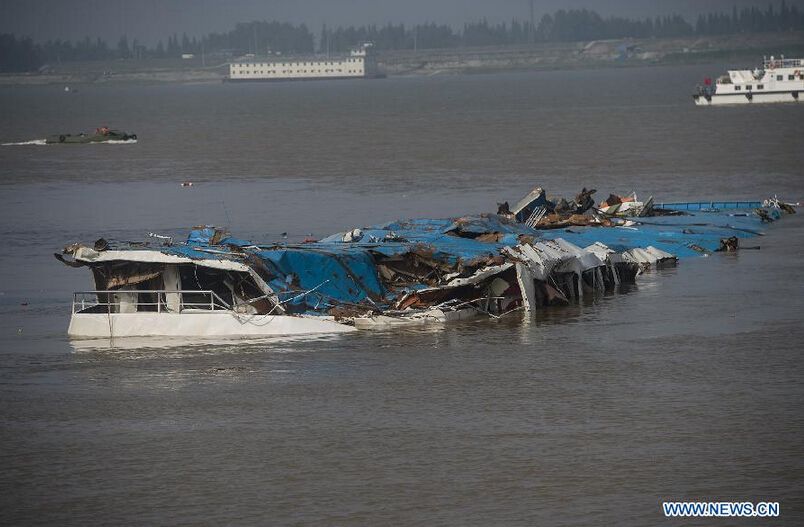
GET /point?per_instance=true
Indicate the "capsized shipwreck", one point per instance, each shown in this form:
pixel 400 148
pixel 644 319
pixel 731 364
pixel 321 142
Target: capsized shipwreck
pixel 542 253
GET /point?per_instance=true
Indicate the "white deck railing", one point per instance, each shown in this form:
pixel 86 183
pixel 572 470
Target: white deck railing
pixel 161 303
pixel 773 63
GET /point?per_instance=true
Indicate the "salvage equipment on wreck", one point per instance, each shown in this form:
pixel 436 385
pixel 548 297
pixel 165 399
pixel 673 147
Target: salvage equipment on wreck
pixel 401 272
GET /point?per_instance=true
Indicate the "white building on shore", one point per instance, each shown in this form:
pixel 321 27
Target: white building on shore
pixel 360 63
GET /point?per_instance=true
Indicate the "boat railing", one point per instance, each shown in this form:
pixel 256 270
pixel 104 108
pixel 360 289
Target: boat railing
pixel 152 300
pixel 783 63
pixel 708 205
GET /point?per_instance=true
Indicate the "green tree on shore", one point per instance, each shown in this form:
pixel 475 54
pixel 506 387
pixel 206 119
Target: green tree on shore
pixel 263 37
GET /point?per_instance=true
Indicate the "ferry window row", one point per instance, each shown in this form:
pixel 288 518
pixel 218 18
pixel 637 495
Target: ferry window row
pixel 250 65
pixel 242 71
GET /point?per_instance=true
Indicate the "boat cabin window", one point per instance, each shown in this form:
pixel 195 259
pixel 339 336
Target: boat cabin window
pixel 738 88
pixel 790 77
pixel 749 87
pixel 760 86
pixel 779 77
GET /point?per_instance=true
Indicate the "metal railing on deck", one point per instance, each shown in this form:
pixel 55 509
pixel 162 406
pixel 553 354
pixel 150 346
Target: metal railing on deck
pixel 782 63
pixel 708 205
pixel 153 301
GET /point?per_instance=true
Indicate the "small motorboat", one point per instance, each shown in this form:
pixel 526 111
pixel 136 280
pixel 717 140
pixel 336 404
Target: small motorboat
pixel 101 135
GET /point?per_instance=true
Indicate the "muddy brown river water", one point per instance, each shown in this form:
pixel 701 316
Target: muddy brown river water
pixel 688 387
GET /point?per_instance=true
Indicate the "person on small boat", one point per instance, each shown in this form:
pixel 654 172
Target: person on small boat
pixel 103 130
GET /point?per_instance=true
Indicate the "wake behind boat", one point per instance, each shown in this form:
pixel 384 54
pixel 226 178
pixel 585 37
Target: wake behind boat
pixel 101 135
pixel 779 80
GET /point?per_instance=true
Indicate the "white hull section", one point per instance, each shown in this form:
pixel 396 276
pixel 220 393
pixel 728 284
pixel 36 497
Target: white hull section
pixel 756 98
pixel 209 324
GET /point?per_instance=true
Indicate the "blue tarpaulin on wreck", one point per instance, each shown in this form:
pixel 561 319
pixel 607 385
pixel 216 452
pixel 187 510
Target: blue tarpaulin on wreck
pixel 345 272
pixel 337 276
pixel 451 240
pixel 683 236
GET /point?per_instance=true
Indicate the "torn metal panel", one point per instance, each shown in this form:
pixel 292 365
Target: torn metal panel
pixel 535 199
pixel 619 270
pixel 582 260
pixel 479 275
pixel 87 255
pixel 527 286
pixel 558 255
pixel 650 257
pixel 539 259
pixel 577 261
pixel 605 253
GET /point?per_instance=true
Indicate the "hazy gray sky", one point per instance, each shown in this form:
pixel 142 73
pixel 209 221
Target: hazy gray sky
pixel 152 20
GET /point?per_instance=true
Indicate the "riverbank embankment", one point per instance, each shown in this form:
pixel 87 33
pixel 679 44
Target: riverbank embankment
pixel 744 50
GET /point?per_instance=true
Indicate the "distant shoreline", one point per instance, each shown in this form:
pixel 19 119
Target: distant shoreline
pixel 744 50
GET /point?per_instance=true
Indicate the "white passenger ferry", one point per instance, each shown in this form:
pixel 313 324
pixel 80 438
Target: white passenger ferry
pixel 779 80
pixel 359 64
